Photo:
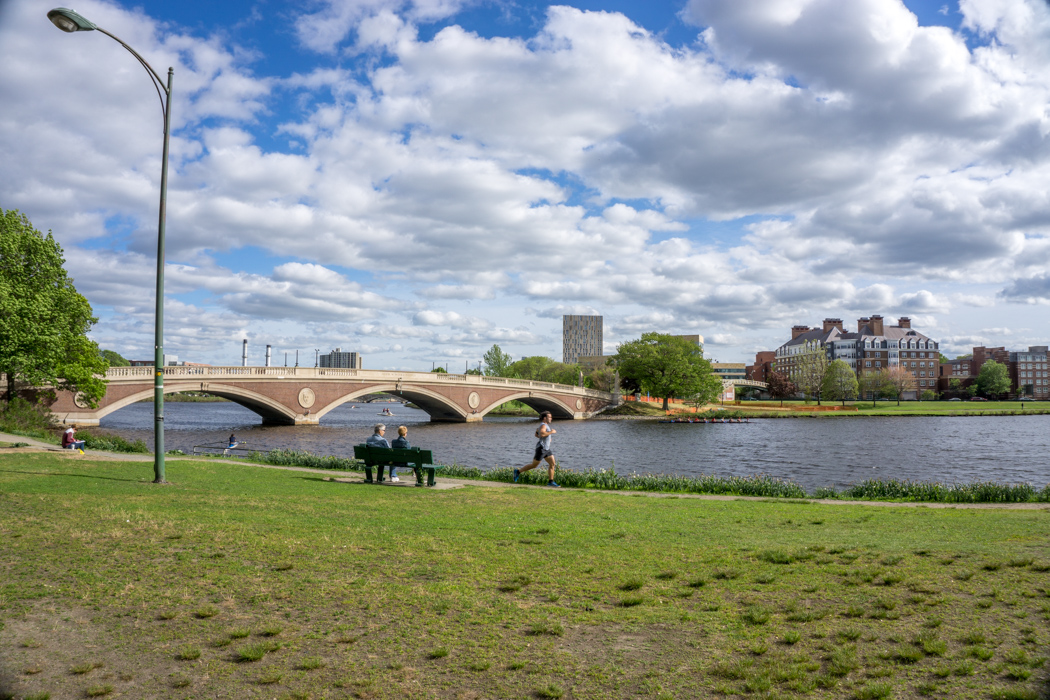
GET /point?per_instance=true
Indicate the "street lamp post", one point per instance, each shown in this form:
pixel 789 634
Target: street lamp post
pixel 69 21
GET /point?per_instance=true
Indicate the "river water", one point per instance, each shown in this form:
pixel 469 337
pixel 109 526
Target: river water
pixel 811 452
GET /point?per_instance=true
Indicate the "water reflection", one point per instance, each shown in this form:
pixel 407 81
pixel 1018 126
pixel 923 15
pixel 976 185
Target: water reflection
pixel 811 452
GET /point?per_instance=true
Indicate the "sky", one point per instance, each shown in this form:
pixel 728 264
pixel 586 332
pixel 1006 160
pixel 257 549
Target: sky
pixel 417 180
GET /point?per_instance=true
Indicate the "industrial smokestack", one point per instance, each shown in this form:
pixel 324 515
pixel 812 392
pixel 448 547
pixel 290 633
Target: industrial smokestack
pixel 244 353
pixel 267 355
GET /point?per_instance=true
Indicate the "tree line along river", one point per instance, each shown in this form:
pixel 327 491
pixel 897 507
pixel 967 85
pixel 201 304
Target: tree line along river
pixel 811 452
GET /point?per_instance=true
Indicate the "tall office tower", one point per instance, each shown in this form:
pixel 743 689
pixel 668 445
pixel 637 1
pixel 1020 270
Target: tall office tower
pixel 345 360
pixel 580 336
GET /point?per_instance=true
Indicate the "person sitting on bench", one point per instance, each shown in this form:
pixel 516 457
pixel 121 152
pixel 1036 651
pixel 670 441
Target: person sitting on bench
pixel 377 440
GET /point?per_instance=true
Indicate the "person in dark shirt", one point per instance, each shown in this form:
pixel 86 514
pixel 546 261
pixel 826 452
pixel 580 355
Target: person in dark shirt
pixel 377 440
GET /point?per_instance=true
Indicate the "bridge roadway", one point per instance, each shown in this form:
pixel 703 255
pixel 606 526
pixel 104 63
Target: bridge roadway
pixel 303 395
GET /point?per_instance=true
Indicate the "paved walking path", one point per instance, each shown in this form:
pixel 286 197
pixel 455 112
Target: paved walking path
pixel 445 483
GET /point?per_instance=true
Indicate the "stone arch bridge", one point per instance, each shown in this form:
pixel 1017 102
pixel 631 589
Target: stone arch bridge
pixel 303 395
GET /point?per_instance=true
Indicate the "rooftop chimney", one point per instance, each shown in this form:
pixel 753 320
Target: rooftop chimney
pixel 796 331
pixel 904 322
pixel 830 323
pixel 861 322
pixel 876 325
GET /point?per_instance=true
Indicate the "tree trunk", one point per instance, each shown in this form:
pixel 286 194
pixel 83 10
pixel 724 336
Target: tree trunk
pixel 10 393
pixel 665 403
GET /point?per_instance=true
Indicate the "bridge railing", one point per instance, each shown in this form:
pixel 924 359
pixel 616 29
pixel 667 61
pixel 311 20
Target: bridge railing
pixel 337 373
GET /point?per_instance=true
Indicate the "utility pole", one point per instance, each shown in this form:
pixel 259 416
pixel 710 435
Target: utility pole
pixel 296 358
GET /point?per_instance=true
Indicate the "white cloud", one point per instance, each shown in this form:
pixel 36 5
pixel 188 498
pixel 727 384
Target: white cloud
pixel 442 194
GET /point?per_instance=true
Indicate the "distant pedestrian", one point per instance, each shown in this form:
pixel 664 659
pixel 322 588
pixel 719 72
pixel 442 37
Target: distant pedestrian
pixel 543 450
pixel 377 440
pixel 69 440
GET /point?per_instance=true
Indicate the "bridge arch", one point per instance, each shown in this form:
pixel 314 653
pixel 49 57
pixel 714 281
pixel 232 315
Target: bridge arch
pixel 270 410
pixel 537 403
pixel 440 408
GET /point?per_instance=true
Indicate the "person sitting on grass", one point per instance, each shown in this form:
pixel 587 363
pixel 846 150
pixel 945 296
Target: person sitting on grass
pixel 377 440
pixel 69 440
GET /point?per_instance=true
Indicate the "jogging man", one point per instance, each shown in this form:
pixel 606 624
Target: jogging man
pixel 543 450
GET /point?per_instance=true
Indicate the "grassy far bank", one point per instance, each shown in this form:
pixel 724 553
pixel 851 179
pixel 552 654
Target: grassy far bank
pixel 247 582
pixel 773 409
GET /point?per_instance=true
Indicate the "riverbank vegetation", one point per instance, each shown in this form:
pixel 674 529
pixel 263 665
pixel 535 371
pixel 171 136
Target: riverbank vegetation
pixel 810 409
pixel 237 581
pixel 754 485
pixel 513 408
pixel 20 417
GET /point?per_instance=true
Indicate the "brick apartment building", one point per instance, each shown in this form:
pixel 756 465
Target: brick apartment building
pixel 873 347
pixel 763 366
pixel 1027 369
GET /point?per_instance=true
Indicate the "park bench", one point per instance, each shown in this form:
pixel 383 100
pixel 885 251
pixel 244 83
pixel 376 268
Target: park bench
pixel 379 457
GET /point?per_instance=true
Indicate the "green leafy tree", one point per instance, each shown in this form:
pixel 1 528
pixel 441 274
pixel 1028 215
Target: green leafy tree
pixel 601 379
pixel 711 388
pixel 530 367
pixel 780 387
pixel 114 359
pixel 663 365
pixel 439 370
pixel 473 370
pixel 43 320
pixel 955 386
pixel 993 379
pixel 929 395
pixel 840 383
pixel 496 362
pixel 561 373
pixel 944 358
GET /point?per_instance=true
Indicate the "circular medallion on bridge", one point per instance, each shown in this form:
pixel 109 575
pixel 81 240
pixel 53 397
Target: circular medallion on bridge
pixel 579 404
pixel 80 401
pixel 306 398
pixel 473 400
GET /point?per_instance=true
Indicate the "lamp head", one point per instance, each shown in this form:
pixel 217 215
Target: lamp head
pixel 69 21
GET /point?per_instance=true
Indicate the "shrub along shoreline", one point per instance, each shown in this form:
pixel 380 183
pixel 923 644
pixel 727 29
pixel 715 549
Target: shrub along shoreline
pixel 755 485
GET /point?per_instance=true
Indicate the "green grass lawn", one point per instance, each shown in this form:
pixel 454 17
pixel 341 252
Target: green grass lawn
pixel 239 581
pixel 951 407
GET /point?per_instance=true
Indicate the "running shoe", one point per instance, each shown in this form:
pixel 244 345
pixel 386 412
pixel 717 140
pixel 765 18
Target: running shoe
pixel 517 475
pixel 553 485
pixel 394 479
